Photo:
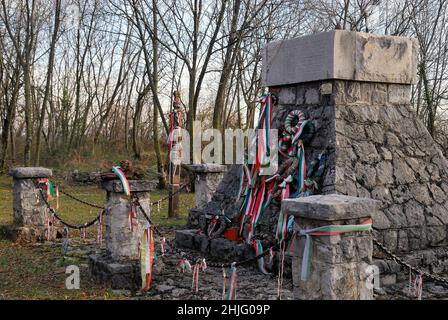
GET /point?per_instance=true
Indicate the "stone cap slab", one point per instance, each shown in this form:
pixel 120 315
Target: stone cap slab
pixel 330 207
pixel 340 54
pixel 30 172
pixel 208 167
pixel 135 185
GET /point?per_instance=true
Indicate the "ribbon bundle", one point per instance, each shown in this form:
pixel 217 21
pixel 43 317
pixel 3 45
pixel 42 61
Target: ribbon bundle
pixel 256 193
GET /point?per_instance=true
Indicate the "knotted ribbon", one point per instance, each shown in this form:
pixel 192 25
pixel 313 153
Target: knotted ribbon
pixel 325 231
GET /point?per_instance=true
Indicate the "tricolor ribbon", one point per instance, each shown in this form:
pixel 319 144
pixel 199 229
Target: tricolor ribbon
pixel 232 289
pixel 123 179
pixel 224 280
pixel 100 228
pixel 57 198
pixel 418 286
pixel 199 265
pixel 131 219
pixel 256 244
pixel 147 257
pixel 280 270
pixel 283 218
pixel 47 224
pixel 162 246
pixel 325 231
pixel 240 188
pixel 257 210
pixel 183 265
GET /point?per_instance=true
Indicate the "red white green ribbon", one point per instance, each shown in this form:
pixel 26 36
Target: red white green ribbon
pixel 162 246
pixel 299 131
pixel 57 198
pixel 256 244
pixel 301 171
pixel 257 210
pixel 240 188
pixel 131 219
pixel 281 268
pixel 123 179
pixel 325 231
pixel 146 256
pixel 100 228
pixel 183 266
pixel 199 265
pixel 232 289
pixel 47 224
pixel 224 280
pixel 263 130
pixel 282 224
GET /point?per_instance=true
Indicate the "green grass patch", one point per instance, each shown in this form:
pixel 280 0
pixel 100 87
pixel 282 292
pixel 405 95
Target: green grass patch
pixel 38 272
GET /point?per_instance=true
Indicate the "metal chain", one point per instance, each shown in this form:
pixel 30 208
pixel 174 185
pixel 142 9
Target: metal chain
pixel 171 194
pixel 183 253
pixel 69 225
pixel 93 205
pixel 407 265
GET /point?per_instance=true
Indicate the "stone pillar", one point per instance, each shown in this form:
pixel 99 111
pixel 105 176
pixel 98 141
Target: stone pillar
pixel 119 266
pixel 207 179
pixel 356 88
pixel 339 263
pixel 121 243
pixel 28 207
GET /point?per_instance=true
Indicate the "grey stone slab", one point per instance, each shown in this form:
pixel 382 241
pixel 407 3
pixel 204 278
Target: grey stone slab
pixel 30 172
pixel 205 168
pixel 340 54
pixel 330 207
pixel 114 274
pixel 135 185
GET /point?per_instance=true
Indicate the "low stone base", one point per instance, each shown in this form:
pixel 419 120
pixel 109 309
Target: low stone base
pixel 23 234
pixel 116 275
pixel 217 248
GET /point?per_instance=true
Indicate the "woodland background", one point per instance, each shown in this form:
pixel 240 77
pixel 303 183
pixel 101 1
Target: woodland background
pixel 85 83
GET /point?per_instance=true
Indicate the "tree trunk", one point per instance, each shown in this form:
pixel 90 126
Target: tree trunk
pixel 155 120
pixel 48 82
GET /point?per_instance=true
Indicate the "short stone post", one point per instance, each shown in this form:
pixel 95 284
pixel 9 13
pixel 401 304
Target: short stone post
pixel 340 264
pixel 29 209
pixel 119 267
pixel 207 179
pixel 121 242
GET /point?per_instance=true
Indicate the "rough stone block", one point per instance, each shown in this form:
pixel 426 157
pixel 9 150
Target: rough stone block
pixel 121 242
pixel 30 172
pixel 340 54
pixel 287 95
pixel 134 185
pixel 116 275
pixel 184 238
pixel 399 94
pixel 208 168
pixel 208 179
pixel 330 207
